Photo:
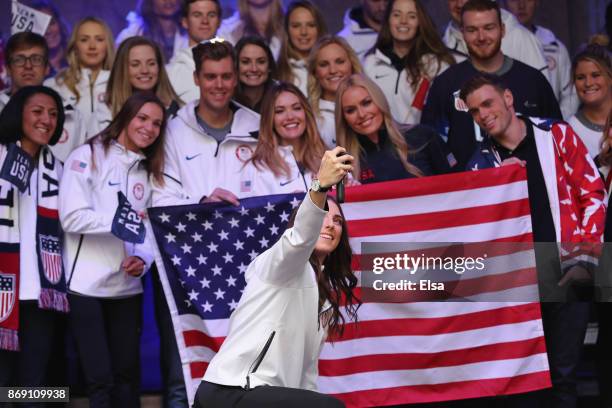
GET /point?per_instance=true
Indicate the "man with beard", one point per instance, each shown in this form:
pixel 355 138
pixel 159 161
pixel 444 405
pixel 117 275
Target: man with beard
pixel 362 24
pixel 445 111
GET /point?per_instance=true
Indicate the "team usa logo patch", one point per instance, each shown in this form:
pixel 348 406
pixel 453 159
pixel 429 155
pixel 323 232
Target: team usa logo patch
pixel 50 254
pixel 138 191
pixel 7 295
pixel 244 152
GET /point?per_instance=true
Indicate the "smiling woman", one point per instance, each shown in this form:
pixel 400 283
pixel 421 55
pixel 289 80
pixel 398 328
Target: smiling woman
pixel 139 66
pixel 112 171
pixel 331 60
pixel 592 74
pixel 289 148
pixel 256 71
pixel 32 287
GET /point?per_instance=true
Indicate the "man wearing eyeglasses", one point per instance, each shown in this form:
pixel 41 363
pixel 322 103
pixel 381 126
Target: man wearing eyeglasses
pixel 27 64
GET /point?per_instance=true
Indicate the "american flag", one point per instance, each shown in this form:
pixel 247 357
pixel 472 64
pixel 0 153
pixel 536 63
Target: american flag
pixel 7 295
pixel 398 352
pixel 50 251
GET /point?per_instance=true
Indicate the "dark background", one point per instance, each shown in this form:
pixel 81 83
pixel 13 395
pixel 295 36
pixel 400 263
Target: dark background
pixel 572 20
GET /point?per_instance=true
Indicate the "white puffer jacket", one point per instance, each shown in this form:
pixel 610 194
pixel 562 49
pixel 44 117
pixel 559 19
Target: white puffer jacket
pixel 88 200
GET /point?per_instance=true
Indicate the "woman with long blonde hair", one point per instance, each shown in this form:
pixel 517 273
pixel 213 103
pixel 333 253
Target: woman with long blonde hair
pixel 139 66
pixel 255 17
pixel 289 148
pixel 303 26
pixel 90 53
pixel 331 60
pixel 383 149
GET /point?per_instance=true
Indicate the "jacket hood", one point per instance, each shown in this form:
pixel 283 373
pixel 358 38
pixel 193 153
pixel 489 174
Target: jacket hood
pixel 353 18
pixel 244 123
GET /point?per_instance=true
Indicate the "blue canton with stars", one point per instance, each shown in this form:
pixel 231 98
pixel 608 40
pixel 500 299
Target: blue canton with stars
pixel 206 248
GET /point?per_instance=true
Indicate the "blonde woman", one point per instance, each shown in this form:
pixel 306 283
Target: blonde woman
pixel 139 66
pixel 90 54
pixel 331 61
pixel 383 150
pixel 289 148
pixel 304 25
pixel 255 17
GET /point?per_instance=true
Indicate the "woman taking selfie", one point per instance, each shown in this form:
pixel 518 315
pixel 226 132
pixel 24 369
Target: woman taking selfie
pixel 290 303
pixel 113 170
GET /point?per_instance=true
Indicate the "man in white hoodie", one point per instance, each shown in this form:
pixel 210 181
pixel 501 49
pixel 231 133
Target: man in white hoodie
pixel 559 62
pixel 201 19
pixel 362 23
pixel 518 42
pixel 210 140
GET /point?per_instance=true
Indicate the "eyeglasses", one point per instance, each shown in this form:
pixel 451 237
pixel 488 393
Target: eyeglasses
pixel 35 59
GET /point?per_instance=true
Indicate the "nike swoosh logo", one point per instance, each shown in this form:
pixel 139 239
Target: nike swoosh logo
pixel 286 182
pixel 110 183
pixel 380 76
pixel 192 157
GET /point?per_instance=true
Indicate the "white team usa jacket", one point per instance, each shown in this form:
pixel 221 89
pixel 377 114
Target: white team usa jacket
pixel 195 164
pixel 91 93
pixel 88 201
pixel 180 71
pixel 405 102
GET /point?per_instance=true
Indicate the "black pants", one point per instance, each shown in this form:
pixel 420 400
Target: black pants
pixel 107 334
pixel 29 366
pixel 565 326
pixel 211 395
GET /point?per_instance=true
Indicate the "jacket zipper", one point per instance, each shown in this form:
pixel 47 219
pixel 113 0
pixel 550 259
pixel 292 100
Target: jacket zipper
pixel 259 359
pixel 91 91
pixel 76 258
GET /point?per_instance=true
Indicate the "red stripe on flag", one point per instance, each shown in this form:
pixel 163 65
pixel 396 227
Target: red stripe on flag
pixel 201 339
pixel 435 184
pixel 419 361
pixel 197 369
pixel 438 220
pixel 439 325
pixel 447 391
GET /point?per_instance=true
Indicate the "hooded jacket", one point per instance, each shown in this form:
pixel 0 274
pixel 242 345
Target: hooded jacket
pixel 389 72
pixel 560 71
pixel 359 36
pixel 136 27
pixel 88 200
pixel 91 93
pixel 180 71
pixel 518 43
pixel 195 163
pixel 232 29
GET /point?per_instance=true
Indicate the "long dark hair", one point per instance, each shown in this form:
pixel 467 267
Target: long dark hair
pixel 11 117
pixel 426 41
pixel 272 69
pixel 154 152
pixel 335 278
